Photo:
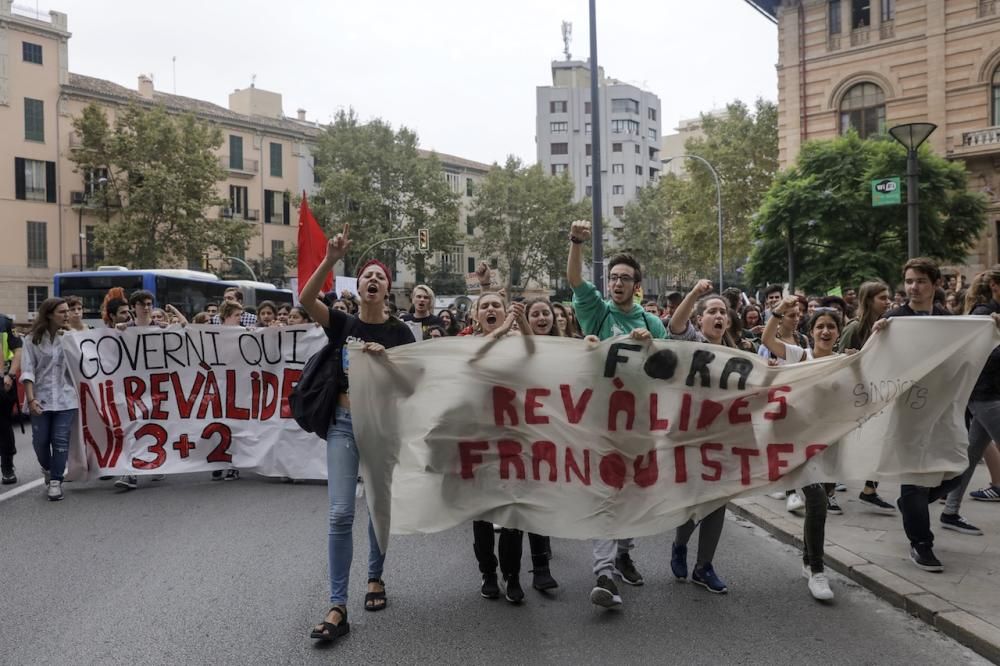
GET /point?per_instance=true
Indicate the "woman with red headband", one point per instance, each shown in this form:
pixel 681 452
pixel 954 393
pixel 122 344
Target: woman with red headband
pixel 378 332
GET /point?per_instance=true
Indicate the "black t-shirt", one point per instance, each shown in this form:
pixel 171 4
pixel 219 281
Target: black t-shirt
pixel 905 310
pixel 425 322
pixel 988 385
pixel 346 328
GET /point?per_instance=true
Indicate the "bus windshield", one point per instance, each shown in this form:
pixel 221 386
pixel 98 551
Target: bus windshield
pixel 92 287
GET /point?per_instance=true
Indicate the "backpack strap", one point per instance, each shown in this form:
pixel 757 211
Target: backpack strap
pixel 600 325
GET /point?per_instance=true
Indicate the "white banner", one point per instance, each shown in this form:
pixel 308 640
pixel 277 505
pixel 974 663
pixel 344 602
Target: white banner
pixel 161 401
pixel 624 439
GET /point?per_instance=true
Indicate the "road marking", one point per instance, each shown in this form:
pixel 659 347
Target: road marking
pixel 10 494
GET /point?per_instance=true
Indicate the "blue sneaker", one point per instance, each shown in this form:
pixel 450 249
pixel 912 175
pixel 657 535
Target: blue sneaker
pixel 707 578
pixel 679 561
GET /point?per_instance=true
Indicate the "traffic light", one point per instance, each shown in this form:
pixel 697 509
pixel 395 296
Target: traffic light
pixel 423 240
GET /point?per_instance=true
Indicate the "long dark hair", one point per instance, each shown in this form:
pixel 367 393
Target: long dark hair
pixel 554 329
pixel 702 305
pixel 42 319
pixel 572 327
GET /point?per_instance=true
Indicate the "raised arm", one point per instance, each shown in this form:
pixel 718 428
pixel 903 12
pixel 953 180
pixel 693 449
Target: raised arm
pixel 769 338
pixel 336 248
pixel 682 313
pixel 579 233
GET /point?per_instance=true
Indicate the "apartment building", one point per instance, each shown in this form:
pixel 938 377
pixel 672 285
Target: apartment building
pixel 48 219
pixel 873 64
pixel 674 145
pixel 630 135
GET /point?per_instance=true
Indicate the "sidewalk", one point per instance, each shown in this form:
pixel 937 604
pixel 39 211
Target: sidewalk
pixel 871 549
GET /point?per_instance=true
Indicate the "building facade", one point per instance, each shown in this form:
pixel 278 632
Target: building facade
pixel 45 204
pixel 630 135
pixel 873 64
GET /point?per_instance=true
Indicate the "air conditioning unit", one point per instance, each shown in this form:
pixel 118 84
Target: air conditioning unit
pixel 77 198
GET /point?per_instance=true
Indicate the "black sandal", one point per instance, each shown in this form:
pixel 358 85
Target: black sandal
pixel 327 631
pixel 372 598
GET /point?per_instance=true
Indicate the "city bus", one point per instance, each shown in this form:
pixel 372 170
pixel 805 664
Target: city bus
pixel 188 291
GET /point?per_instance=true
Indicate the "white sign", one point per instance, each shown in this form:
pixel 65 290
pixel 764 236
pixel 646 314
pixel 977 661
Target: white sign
pixel 350 284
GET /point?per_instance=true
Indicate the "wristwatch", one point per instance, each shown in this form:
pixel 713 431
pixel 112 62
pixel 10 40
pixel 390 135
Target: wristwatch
pixel 778 315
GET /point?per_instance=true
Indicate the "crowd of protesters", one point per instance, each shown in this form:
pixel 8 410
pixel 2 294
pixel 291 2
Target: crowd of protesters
pixel 778 326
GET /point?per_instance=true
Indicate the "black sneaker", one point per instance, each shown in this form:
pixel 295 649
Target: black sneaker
pixel 625 569
pixel 875 503
pixel 9 477
pixel 514 594
pixel 490 589
pixel 953 521
pixel 832 506
pixel 923 556
pixel 217 475
pixel 605 593
pixel 542 580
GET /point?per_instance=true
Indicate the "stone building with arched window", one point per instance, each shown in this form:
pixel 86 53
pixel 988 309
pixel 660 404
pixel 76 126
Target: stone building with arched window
pixel 873 64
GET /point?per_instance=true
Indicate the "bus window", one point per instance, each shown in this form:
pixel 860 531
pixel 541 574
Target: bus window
pixel 92 288
pixel 188 296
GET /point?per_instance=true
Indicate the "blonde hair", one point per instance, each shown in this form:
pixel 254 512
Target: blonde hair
pixel 476 328
pixel 427 290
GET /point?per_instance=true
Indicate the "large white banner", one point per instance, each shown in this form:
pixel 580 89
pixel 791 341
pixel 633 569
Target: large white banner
pixel 198 398
pixel 624 439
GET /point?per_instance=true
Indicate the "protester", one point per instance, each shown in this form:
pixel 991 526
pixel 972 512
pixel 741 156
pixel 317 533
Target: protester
pixel 541 317
pixel 141 304
pixel 75 321
pixel 378 332
pixel 824 326
pixel 772 296
pixel 159 318
pixel 990 493
pixel 202 318
pixel 448 322
pixel 422 297
pixel 267 314
pixel 565 322
pixel 282 314
pixel 298 315
pixel 50 392
pixel 436 332
pixel 712 315
pixel 234 295
pixel 920 277
pixel 983 298
pixel 787 327
pixel 873 302
pixel 606 319
pixel 10 358
pixel 341 305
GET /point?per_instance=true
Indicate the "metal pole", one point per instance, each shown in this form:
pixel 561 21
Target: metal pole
pixel 79 233
pixel 718 202
pixel 253 275
pixel 361 257
pixel 595 170
pixel 912 204
pixel 791 260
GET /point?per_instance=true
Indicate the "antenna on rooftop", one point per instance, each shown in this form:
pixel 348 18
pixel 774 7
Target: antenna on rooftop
pixel 174 60
pixel 567 33
pixel 253 80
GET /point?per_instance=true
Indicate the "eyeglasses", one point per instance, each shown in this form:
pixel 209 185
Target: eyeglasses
pixel 624 279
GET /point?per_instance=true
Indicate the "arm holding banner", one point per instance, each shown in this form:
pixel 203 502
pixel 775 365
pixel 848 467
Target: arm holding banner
pixel 336 248
pixel 681 315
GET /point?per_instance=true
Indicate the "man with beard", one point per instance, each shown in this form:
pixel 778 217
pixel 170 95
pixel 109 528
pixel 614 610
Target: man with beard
pixel 619 315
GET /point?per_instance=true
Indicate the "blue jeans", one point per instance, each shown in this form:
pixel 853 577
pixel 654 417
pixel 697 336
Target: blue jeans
pixel 342 483
pixel 50 437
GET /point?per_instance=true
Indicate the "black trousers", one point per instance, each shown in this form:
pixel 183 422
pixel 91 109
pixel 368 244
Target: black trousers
pixel 509 548
pixel 7 450
pixel 913 505
pixel 814 527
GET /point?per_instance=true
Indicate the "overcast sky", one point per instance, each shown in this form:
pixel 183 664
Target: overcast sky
pixel 461 74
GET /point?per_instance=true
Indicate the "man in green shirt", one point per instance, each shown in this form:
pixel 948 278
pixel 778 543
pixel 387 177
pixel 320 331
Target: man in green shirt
pixel 619 315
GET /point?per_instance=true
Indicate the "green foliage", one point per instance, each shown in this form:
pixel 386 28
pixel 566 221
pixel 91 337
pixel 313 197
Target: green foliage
pixel 742 145
pixel 839 238
pixel 162 177
pixel 522 218
pixel 374 178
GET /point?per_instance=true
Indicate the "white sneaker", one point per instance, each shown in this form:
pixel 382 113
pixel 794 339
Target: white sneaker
pixel 777 494
pixel 806 572
pixel 794 503
pixel 819 587
pixel 55 491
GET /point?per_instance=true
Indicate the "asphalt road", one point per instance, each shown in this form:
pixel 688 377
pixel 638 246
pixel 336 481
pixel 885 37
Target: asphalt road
pixel 190 571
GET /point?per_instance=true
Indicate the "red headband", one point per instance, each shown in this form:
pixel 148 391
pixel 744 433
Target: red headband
pixel 376 262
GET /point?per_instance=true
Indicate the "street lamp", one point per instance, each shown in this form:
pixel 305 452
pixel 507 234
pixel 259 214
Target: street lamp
pixel 911 135
pixel 718 199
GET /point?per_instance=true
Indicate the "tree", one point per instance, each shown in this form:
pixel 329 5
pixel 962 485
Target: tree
pixel 523 216
pixel 838 237
pixel 647 232
pixel 743 147
pixel 162 173
pixel 375 179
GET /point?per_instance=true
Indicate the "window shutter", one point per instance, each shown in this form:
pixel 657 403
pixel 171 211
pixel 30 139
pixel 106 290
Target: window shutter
pixel 246 200
pixel 268 206
pixel 286 206
pixel 19 178
pixel 50 182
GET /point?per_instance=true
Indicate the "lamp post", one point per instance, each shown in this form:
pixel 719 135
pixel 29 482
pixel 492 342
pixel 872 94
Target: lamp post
pixel 911 135
pixel 253 276
pixel 595 182
pixel 718 200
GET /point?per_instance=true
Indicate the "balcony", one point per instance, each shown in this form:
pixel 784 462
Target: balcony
pixel 987 8
pixel 250 214
pixel 860 36
pixel 887 30
pixel 833 43
pixel 243 168
pixel 276 218
pixel 984 141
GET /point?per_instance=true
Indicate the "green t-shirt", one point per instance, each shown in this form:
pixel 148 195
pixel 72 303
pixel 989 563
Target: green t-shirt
pixel 603 318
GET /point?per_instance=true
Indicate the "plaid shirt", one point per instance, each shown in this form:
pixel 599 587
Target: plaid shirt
pixel 247 320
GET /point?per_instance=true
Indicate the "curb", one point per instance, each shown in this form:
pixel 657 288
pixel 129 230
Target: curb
pixel 963 627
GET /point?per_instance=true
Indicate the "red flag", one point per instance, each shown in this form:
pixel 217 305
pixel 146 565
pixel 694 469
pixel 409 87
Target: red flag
pixel 312 246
